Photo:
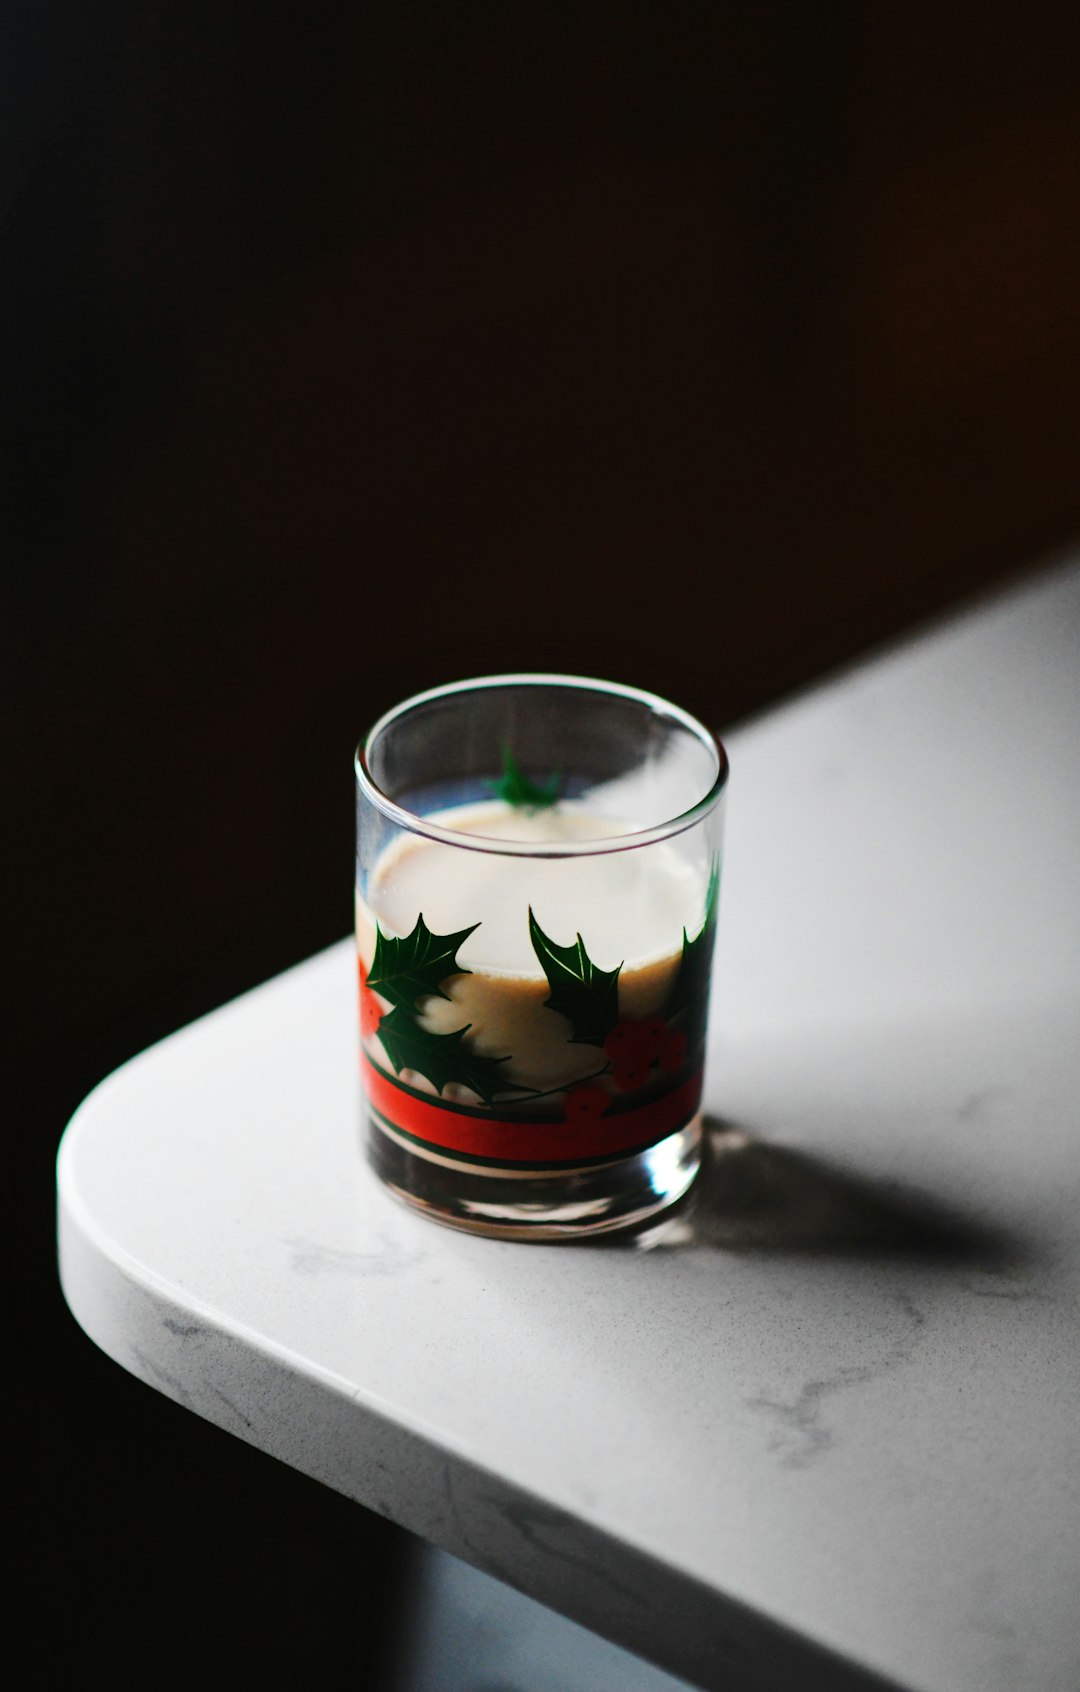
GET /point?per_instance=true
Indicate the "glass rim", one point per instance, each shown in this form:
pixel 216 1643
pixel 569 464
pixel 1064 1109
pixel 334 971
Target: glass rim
pixel 627 842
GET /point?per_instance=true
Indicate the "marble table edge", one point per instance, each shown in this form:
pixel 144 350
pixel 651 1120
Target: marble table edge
pixel 319 1423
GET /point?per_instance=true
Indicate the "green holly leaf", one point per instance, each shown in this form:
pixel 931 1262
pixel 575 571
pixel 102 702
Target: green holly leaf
pixel 442 1058
pixel 691 991
pixel 516 789
pixel 406 970
pixel 588 997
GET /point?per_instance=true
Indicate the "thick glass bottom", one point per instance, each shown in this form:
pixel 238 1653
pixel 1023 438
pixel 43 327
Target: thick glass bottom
pixel 563 1204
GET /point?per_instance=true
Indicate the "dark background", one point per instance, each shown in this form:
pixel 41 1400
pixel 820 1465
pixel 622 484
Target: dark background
pixel 353 348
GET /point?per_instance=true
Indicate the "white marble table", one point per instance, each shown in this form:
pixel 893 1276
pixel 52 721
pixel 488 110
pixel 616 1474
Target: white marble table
pixel 819 1428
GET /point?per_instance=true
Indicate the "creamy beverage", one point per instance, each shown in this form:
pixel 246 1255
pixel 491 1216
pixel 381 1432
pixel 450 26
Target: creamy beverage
pixel 545 1024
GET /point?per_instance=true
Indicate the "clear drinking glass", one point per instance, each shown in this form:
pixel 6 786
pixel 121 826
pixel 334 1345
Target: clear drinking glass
pixel 537 873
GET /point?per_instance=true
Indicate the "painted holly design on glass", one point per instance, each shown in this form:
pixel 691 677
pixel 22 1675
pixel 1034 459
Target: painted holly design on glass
pixel 405 970
pixel 632 1053
pixel 519 791
pixel 633 1049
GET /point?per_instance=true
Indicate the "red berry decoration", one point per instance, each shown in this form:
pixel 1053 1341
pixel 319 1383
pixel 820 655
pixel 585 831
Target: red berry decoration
pixel 637 1042
pixel 621 1043
pixel 585 1105
pixel 631 1075
pixel 673 1052
pixel 370 1008
pixel 652 1034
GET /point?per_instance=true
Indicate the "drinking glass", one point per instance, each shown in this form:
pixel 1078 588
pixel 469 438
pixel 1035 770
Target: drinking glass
pixel 537 878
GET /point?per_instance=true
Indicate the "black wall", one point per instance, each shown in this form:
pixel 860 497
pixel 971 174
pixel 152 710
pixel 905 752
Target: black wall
pixel 353 348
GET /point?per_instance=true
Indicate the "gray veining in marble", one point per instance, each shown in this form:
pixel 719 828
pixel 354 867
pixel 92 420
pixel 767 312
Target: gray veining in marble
pixel 819 1428
pixel 804 1433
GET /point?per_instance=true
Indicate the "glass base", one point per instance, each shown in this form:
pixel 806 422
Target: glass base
pixel 564 1204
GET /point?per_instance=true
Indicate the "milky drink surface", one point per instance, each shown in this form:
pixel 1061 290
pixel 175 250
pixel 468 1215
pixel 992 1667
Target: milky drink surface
pixel 630 907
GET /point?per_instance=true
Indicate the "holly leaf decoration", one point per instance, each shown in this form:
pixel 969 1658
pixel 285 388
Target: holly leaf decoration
pixel 406 970
pixel 691 991
pixel 442 1058
pixel 516 789
pixel 588 997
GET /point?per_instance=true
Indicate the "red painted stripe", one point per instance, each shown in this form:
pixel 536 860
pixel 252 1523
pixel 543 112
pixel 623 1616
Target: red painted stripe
pixel 449 1128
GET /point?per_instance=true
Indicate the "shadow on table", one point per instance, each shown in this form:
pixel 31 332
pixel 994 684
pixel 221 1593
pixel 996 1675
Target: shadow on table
pixel 752 1196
